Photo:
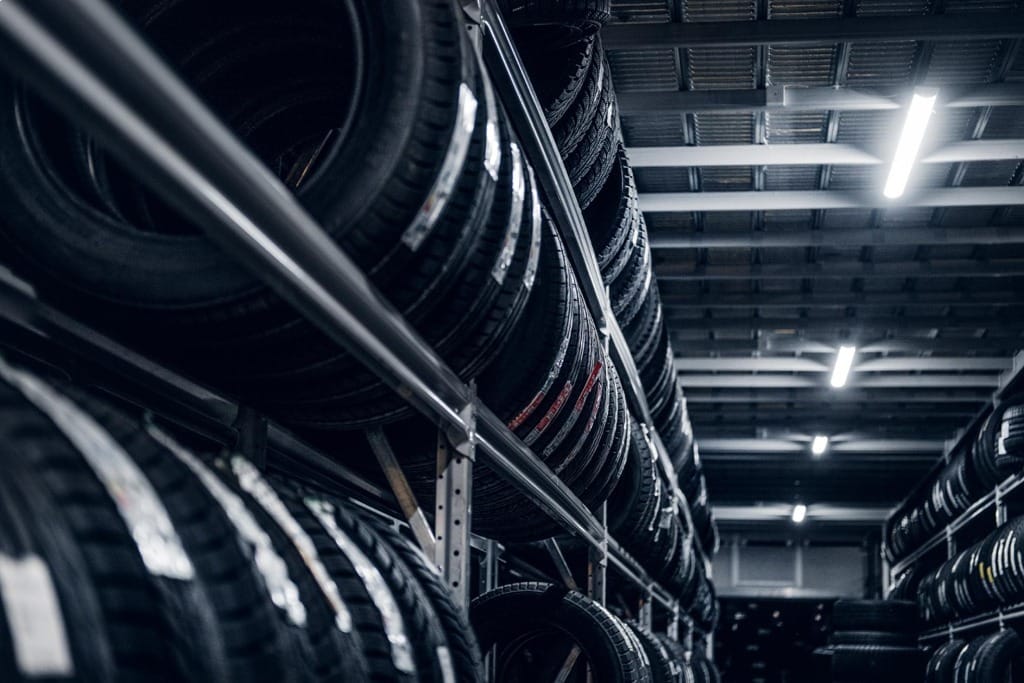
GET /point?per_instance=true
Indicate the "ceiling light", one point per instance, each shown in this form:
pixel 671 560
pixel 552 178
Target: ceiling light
pixel 844 361
pixel 920 111
pixel 819 444
pixel 799 513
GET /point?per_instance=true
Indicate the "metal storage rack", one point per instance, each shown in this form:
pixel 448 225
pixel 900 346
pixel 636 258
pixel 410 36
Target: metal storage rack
pixel 983 516
pixel 83 57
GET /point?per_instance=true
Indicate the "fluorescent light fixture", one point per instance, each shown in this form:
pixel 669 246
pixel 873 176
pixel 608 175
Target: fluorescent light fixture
pixel 819 444
pixel 799 513
pixel 920 111
pixel 844 361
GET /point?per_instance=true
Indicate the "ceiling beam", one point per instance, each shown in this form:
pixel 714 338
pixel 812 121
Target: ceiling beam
pixel 744 381
pixel 893 364
pixel 742 445
pixel 817 512
pixel 958 27
pixel 788 343
pixel 816 154
pixel 823 396
pixel 785 200
pixel 948 268
pixel 820 98
pixel 749 300
pixel 1008 234
pixel 906 322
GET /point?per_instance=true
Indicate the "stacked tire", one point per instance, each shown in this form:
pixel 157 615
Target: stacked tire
pixel 994 657
pixel 382 125
pixel 570 74
pixel 986 576
pixel 875 640
pixel 996 453
pixel 138 559
pixel 418 179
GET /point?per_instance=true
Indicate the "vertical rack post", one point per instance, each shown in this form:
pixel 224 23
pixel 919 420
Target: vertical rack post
pixel 597 562
pixel 452 514
pixel 644 616
pixel 673 622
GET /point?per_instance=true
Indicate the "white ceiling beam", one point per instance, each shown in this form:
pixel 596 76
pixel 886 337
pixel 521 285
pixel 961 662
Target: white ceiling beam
pixel 784 200
pixel 816 154
pixel 769 512
pixel 894 364
pixel 743 381
pixel 745 445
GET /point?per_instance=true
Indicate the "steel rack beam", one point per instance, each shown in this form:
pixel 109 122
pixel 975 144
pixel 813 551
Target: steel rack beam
pixel 957 27
pixel 994 620
pixel 1002 268
pixel 90 63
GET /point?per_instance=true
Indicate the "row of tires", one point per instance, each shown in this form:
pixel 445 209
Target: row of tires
pixel 996 453
pixel 572 79
pixel 385 127
pixel 125 555
pixel 988 575
pixel 995 657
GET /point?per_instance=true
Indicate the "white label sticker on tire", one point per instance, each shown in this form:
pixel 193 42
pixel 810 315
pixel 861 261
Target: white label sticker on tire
pixel 135 498
pixel 253 483
pixel 34 619
pixel 271 566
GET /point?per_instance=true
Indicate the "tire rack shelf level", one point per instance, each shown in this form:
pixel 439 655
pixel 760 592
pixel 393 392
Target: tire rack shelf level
pixel 1010 383
pixel 215 179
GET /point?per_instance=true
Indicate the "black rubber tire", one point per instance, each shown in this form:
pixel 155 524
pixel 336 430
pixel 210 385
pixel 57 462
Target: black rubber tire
pixel 613 218
pixel 153 286
pixel 253 632
pixel 425 632
pixel 942 665
pixel 575 123
pixel 597 174
pixel 557 75
pixel 892 616
pixel 581 149
pixel 31 530
pixel 462 645
pixel 860 663
pixel 158 628
pixel 629 289
pixel 632 498
pixel 999 652
pixel 661 660
pixel 873 638
pixel 678 659
pixel 558 22
pixel 512 612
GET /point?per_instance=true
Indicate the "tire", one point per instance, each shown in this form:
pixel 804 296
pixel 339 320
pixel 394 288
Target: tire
pixel 35 542
pixel 860 663
pixel 575 123
pixel 941 665
pixel 997 654
pixel 891 616
pixel 558 75
pixel 558 22
pixel 613 218
pixel 548 619
pixel 466 658
pixel 429 644
pixel 634 495
pixel 873 638
pixel 253 631
pixel 136 268
pixel 598 172
pixel 159 624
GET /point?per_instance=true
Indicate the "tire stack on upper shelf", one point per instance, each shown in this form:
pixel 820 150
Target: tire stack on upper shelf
pixel 125 555
pixel 996 453
pixel 386 130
